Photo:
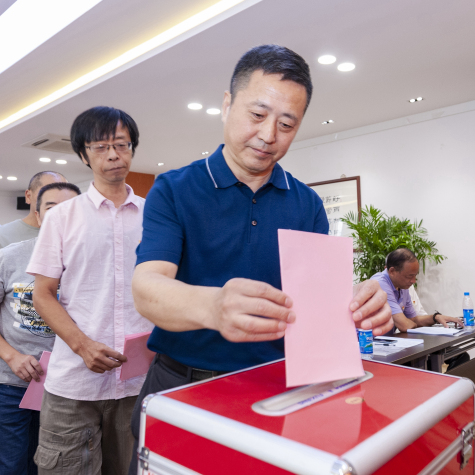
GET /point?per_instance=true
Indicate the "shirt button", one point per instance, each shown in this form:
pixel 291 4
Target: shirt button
pixel 254 200
pixel 254 223
pixel 238 183
pixel 119 294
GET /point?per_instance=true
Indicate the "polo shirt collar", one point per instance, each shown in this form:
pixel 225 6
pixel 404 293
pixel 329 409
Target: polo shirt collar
pixel 222 176
pixel 97 198
pixel 390 282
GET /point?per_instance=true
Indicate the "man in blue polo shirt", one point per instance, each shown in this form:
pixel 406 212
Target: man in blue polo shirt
pixel 208 264
pixel 400 274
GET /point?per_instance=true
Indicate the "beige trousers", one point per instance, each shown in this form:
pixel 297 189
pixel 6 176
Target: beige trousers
pixel 84 437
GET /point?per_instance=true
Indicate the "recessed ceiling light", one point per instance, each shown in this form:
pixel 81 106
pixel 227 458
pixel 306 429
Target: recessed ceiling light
pixel 160 164
pixel 328 122
pixel 61 162
pixel 12 178
pixel 1 177
pixel 412 100
pixel 213 111
pixel 45 159
pixel 326 59
pixel 346 67
pixel 194 106
pixel 418 99
pixel 204 153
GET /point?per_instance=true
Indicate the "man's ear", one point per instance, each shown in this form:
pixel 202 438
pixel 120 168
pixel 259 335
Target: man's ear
pixel 226 106
pixel 28 196
pixel 84 160
pixel 38 218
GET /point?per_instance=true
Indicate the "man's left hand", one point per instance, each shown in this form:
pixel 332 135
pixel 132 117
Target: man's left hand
pixel 443 319
pixel 370 308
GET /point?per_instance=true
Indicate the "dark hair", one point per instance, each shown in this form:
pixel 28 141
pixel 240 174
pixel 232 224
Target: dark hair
pixel 399 257
pixel 272 59
pixel 100 123
pixel 61 185
pixel 35 181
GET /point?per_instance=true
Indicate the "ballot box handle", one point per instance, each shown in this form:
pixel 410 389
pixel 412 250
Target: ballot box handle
pixel 462 446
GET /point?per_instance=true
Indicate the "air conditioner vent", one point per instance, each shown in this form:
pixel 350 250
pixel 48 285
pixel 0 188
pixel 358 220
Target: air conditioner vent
pixel 51 143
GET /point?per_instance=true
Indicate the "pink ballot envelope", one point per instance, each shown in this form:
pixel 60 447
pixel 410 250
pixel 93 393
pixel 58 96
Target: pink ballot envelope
pixel 33 396
pixel 138 355
pixel 317 273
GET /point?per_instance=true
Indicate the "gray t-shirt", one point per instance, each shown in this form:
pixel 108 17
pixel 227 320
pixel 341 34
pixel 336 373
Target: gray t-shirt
pixel 20 325
pixel 17 231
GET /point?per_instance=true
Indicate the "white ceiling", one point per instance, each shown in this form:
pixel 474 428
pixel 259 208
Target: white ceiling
pixel 401 49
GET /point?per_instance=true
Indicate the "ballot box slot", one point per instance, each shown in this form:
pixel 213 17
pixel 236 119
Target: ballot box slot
pixel 304 396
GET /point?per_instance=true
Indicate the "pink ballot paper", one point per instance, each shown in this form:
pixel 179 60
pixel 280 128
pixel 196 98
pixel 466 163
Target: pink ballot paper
pixel 317 273
pixel 33 396
pixel 138 355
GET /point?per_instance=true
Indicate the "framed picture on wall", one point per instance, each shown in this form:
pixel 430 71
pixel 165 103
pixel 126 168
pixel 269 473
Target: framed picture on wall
pixel 339 198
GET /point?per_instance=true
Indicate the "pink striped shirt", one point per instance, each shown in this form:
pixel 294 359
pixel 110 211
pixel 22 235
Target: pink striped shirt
pixel 90 245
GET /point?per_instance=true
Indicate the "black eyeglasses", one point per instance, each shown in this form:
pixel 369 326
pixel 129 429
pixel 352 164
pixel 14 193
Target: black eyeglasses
pixel 102 149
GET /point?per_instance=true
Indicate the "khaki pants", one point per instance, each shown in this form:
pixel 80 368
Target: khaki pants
pixel 84 437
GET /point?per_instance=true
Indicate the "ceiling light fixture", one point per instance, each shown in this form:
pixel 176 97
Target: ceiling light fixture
pixel 12 178
pixel 345 67
pixel 61 162
pixel 213 111
pixel 45 159
pixel 194 106
pixel 326 59
pixel 160 164
pixel 328 122
pixel 417 99
pixel 1 177
pixel 168 35
pixel 204 153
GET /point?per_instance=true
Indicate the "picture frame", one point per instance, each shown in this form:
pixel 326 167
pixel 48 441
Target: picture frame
pixel 339 198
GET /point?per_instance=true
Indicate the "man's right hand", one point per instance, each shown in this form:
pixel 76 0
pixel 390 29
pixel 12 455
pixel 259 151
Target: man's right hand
pixel 240 305
pixel 25 367
pixel 98 357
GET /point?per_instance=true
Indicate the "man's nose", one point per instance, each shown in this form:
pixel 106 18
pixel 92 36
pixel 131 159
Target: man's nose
pixel 267 131
pixel 112 153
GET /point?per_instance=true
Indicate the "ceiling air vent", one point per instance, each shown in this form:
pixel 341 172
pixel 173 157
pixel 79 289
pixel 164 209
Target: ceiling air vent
pixel 51 143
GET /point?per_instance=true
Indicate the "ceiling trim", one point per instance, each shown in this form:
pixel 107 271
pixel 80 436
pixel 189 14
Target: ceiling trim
pixel 389 124
pixel 180 32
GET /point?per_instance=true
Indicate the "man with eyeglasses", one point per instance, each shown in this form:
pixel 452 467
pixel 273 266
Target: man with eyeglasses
pixel 89 245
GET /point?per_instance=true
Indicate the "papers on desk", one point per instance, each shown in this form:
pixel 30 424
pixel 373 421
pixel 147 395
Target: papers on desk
pixel 317 273
pixel 386 345
pixel 436 331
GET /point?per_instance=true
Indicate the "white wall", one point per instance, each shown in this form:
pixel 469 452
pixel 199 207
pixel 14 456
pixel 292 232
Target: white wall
pixel 418 167
pixel 8 211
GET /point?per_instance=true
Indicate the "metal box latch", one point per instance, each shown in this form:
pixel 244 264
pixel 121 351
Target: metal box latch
pixel 467 438
pixel 143 458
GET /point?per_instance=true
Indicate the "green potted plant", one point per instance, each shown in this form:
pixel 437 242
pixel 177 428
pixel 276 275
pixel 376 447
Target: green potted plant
pixel 375 235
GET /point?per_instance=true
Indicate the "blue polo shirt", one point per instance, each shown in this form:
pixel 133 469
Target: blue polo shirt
pixel 216 228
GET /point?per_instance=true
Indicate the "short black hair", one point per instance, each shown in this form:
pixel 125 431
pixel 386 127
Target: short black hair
pixel 35 181
pixel 100 123
pixel 272 59
pixel 399 257
pixel 60 185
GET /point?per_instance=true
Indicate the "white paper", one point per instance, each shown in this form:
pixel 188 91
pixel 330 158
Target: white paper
pixel 436 331
pixel 396 342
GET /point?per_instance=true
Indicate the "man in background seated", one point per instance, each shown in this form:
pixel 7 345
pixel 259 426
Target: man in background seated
pixel 28 228
pixel 401 272
pixel 23 338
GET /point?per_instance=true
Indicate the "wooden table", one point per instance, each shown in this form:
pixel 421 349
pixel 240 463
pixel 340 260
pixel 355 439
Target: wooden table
pixel 436 349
